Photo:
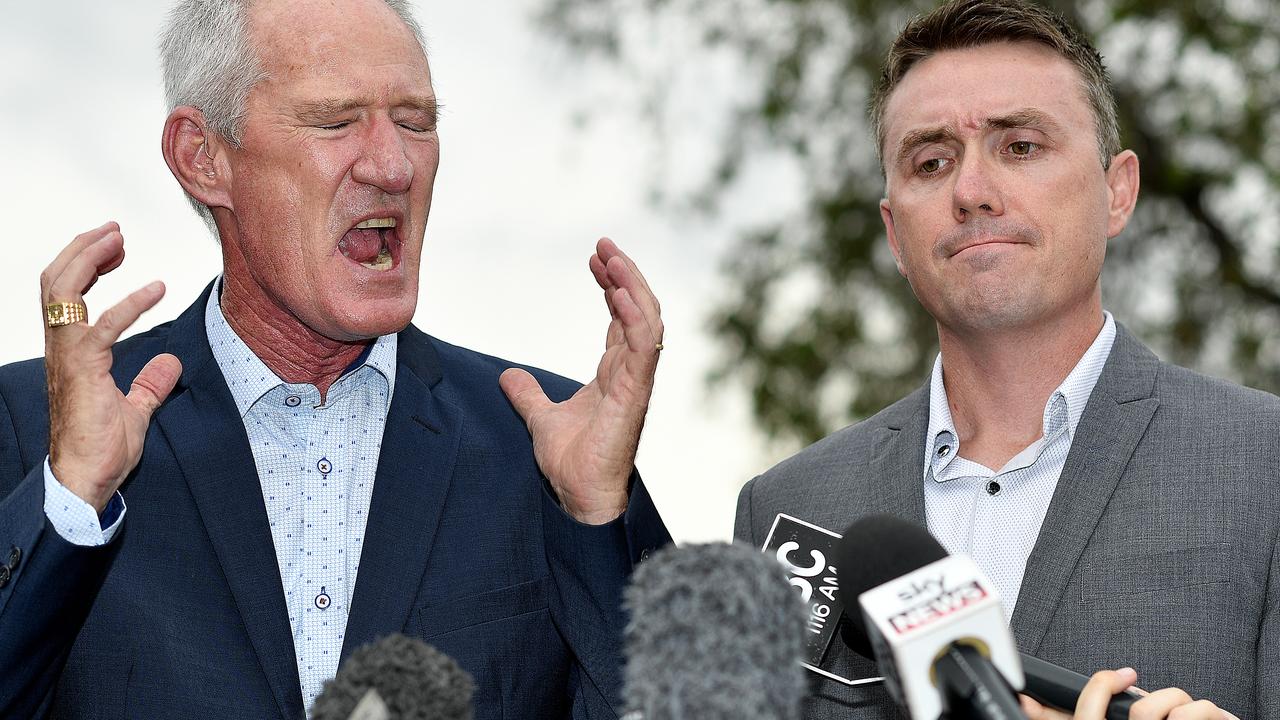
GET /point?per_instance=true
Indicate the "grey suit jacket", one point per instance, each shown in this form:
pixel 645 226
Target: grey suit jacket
pixel 1159 549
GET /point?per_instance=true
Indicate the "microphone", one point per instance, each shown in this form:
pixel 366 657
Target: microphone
pixel 1051 685
pixel 933 621
pixel 396 678
pixel 716 633
pixel 1059 688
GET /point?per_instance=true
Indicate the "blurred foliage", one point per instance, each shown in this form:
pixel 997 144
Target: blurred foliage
pixel 1196 274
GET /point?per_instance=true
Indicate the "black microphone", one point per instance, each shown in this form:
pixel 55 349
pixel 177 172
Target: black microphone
pixel 1059 688
pixel 887 554
pixel 716 633
pixel 396 678
pixel 935 624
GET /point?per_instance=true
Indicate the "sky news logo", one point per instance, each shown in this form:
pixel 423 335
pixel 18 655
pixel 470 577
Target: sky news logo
pixel 939 605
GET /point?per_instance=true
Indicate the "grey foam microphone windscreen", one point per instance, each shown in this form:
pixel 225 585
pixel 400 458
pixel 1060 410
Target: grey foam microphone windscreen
pixel 716 633
pixel 414 680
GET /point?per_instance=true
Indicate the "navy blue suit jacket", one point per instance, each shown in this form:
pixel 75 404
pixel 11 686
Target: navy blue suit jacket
pixel 183 614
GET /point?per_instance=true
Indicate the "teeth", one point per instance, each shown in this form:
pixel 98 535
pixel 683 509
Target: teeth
pixel 382 262
pixel 377 223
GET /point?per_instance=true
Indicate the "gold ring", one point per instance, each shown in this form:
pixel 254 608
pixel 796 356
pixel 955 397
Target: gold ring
pixel 64 313
pixel 657 347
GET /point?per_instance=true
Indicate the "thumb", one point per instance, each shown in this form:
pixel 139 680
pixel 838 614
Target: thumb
pixel 524 392
pixel 154 383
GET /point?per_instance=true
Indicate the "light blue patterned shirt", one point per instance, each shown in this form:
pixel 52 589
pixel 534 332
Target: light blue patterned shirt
pixel 316 464
pixel 994 516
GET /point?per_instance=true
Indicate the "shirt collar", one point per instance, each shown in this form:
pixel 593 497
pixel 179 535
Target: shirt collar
pixel 1065 404
pixel 249 378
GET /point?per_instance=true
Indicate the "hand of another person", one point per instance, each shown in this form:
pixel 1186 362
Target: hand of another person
pixel 1170 703
pixel 95 431
pixel 586 445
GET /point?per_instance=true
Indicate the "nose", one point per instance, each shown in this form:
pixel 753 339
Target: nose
pixel 976 189
pixel 384 161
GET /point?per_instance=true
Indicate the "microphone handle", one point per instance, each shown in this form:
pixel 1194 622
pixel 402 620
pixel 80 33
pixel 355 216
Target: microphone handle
pixel 972 688
pixel 1059 688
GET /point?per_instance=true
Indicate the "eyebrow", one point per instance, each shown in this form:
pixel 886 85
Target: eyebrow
pixel 329 107
pixel 1024 118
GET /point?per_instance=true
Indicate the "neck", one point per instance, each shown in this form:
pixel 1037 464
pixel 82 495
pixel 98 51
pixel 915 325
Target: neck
pixel 293 351
pixel 998 382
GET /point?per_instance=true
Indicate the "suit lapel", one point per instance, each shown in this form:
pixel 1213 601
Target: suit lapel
pixel 419 447
pixel 897 487
pixel 1113 423
pixel 204 429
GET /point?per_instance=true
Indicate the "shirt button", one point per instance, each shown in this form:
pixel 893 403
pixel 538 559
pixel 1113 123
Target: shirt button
pixel 322 600
pixel 293 401
pixel 324 466
pixel 944 450
pixel 993 488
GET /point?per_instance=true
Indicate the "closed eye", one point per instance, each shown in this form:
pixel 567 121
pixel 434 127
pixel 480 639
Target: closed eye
pixel 414 127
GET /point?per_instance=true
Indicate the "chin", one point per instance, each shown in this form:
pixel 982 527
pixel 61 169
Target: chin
pixel 374 320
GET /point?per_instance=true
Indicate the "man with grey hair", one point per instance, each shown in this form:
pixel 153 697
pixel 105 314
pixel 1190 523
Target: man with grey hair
pixel 303 470
pixel 1125 509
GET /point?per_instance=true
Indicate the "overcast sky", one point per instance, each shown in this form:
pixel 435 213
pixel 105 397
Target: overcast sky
pixel 522 194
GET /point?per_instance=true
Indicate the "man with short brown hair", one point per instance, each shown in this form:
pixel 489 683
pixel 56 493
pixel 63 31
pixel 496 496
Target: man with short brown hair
pixel 1123 507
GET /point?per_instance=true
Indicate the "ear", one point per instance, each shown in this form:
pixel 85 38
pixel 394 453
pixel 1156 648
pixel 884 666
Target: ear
pixel 886 214
pixel 1122 191
pixel 197 157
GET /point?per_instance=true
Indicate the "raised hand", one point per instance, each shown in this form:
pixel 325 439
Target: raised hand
pixel 1170 703
pixel 95 431
pixel 586 445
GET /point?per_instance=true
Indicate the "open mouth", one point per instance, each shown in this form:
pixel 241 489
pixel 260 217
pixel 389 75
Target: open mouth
pixel 373 243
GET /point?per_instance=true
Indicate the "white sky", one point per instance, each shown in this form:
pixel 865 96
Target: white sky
pixel 521 196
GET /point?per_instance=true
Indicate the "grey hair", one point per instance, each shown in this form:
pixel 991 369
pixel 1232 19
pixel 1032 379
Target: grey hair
pixel 209 63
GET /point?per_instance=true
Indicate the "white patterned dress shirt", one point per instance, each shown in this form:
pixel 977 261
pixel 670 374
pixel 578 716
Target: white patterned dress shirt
pixel 994 516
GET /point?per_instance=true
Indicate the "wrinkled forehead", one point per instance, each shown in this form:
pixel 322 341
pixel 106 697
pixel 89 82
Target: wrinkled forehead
pixel 964 89
pixel 297 39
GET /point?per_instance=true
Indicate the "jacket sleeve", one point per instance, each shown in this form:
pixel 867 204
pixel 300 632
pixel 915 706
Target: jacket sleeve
pixel 47 585
pixel 590 565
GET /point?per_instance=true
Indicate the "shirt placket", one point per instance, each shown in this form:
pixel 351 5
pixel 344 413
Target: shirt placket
pixel 323 592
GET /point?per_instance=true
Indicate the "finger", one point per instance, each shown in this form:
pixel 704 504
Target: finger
pixel 607 249
pixel 154 383
pixel 84 269
pixel 1199 710
pixel 72 249
pixel 616 335
pixel 1098 691
pixel 644 300
pixel 1159 704
pixel 1035 711
pixel 524 392
pixel 598 270
pixel 608 301
pixel 120 316
pixel 635 328
pixel 625 273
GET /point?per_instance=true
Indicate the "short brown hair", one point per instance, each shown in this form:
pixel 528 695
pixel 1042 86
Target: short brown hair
pixel 960 24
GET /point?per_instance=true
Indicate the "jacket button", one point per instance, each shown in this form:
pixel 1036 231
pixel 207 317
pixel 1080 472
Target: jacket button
pixel 15 556
pixel 4 576
pixel 644 554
